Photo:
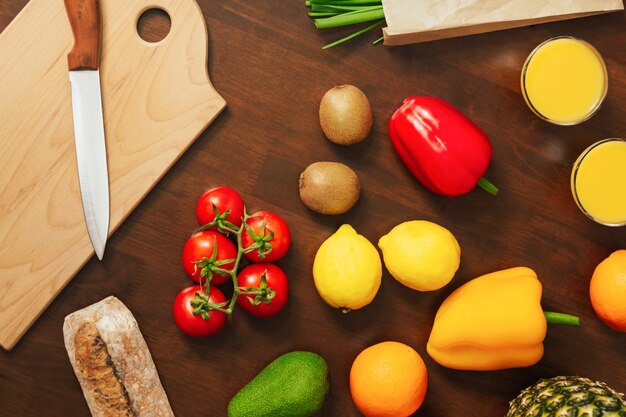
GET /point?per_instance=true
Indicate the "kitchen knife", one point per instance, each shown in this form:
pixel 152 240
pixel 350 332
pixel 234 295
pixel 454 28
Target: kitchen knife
pixel 84 63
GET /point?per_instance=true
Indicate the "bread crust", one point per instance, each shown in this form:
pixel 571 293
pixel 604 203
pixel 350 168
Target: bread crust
pixel 129 354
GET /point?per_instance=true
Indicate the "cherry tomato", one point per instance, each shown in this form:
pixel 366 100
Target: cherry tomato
pixel 279 242
pixel 193 325
pixel 224 199
pixel 201 245
pixel 276 279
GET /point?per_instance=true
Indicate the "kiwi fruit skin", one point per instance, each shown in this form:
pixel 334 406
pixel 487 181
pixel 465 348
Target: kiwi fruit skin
pixel 345 115
pixel 329 187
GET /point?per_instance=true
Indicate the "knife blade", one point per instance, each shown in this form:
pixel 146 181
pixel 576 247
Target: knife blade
pixel 89 138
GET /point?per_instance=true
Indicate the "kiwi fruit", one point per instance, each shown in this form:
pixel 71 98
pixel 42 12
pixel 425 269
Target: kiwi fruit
pixel 329 187
pixel 345 115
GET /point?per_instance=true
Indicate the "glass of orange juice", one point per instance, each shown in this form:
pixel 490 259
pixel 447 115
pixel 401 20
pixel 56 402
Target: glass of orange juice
pixel 599 182
pixel 564 80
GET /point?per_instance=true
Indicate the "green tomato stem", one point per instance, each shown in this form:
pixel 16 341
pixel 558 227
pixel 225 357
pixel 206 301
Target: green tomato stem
pixel 222 272
pixel 561 318
pixel 251 248
pixel 252 291
pixel 232 273
pixel 215 307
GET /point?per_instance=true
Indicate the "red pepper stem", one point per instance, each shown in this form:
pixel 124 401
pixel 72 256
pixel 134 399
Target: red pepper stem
pixel 561 318
pixel 487 186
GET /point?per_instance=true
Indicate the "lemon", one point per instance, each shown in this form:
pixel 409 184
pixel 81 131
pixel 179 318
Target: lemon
pixel 347 270
pixel 421 255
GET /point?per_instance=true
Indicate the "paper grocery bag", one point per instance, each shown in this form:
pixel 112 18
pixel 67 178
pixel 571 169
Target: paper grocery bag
pixel 412 21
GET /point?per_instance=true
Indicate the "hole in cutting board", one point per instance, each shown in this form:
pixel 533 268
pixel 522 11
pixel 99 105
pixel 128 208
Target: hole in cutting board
pixel 154 25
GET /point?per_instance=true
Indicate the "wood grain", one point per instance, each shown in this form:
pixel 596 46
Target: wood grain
pixel 157 99
pixel 86 23
pixel 265 59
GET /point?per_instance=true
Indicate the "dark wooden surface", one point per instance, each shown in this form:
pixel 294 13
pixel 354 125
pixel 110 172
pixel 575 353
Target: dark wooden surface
pixel 265 59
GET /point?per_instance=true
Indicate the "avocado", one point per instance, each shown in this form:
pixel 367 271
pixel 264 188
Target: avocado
pixel 294 385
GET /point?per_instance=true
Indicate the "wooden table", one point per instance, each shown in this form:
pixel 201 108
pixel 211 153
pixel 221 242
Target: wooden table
pixel 265 59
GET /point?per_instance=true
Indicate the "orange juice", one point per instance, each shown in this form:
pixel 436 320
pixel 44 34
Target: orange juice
pixel 564 80
pixel 599 182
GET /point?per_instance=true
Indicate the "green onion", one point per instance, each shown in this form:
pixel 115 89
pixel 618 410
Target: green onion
pixel 339 9
pixel 337 13
pixel 322 14
pixel 344 2
pixel 351 18
pixel 354 35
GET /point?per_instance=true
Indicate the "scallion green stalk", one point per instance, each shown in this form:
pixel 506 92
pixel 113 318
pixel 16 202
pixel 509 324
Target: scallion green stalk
pixel 338 13
pixel 351 18
pixel 354 35
pixel 308 3
pixel 322 14
pixel 340 9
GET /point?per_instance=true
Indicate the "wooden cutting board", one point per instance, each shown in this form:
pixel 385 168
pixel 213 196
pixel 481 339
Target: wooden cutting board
pixel 157 99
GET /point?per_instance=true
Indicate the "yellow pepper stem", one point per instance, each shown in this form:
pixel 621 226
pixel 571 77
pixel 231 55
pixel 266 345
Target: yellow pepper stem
pixel 560 318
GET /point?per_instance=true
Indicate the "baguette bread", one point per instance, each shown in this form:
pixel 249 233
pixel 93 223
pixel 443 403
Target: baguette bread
pixel 112 362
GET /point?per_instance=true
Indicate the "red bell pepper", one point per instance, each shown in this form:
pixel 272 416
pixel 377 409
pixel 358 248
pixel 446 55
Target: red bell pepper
pixel 441 146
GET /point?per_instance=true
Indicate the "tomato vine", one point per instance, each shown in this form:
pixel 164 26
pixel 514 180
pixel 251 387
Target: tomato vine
pixel 211 266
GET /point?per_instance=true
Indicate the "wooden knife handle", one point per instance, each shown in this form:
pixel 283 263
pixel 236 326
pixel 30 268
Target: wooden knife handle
pixel 84 18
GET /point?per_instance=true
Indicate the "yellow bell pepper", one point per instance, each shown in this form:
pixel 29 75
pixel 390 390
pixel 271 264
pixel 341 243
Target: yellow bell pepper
pixel 493 322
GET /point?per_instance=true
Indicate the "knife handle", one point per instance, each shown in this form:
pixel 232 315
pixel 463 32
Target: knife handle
pixel 84 18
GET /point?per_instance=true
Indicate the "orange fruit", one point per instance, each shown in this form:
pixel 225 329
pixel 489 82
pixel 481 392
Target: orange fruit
pixel 388 380
pixel 608 290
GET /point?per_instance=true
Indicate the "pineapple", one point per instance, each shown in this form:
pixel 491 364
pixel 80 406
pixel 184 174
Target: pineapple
pixel 568 396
